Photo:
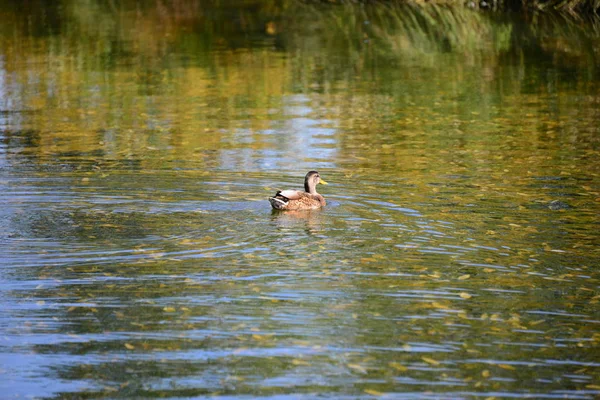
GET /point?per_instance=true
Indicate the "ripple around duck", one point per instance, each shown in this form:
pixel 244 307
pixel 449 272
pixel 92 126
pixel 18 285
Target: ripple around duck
pixel 394 207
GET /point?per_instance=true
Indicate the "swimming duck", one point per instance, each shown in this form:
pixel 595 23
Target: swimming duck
pixel 308 199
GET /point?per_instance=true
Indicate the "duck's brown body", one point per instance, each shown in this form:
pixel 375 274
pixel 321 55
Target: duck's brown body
pixel 300 201
pixel 308 199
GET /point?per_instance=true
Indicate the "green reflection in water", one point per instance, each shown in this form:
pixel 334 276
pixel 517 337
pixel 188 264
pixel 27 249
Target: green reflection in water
pixel 457 256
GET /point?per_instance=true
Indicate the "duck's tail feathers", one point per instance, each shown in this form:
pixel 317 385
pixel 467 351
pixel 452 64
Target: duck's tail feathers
pixel 278 202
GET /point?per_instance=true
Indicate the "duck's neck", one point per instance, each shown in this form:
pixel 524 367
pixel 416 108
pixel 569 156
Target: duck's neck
pixel 310 187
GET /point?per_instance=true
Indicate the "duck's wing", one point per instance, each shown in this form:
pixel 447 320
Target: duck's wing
pixel 292 194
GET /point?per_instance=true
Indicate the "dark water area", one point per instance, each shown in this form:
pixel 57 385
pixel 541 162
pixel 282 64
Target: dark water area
pixel 458 256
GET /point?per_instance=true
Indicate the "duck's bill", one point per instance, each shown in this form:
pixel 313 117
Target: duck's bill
pixel 323 182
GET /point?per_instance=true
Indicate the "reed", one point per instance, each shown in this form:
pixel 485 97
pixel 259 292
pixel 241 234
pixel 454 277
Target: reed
pixel 573 7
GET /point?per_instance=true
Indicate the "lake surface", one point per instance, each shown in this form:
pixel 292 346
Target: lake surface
pixel 458 256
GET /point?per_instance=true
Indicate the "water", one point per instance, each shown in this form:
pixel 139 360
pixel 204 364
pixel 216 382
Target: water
pixel 457 256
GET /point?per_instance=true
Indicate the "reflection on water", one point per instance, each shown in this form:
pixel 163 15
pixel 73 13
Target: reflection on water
pixel 457 256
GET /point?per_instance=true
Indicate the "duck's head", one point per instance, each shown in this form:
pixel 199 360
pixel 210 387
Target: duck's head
pixel 311 180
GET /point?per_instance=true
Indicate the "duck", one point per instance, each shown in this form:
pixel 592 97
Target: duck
pixel 308 199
